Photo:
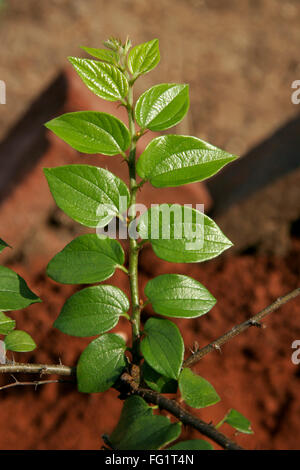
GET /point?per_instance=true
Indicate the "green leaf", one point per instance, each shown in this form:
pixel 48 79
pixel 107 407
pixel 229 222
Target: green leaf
pixel 144 57
pixel 163 347
pixel 181 234
pixel 158 382
pixel 238 422
pixel 6 324
pixel 19 341
pixel 162 106
pixel 92 311
pixel 175 295
pixel 83 191
pixel 101 363
pixel 194 444
pixel 92 132
pixel 105 80
pixel 134 408
pixel 139 429
pixel 3 245
pixel 14 292
pixel 102 54
pixel 174 160
pixel 86 260
pixel 196 391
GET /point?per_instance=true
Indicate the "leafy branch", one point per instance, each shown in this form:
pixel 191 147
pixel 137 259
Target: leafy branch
pixel 35 384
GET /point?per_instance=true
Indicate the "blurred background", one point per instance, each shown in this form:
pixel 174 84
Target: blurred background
pixel 240 59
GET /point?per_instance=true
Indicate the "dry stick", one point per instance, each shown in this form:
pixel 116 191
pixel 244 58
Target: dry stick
pixel 42 369
pixel 236 330
pixel 36 383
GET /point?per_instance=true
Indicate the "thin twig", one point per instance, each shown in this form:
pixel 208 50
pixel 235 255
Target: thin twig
pixel 236 330
pixel 35 384
pixel 42 369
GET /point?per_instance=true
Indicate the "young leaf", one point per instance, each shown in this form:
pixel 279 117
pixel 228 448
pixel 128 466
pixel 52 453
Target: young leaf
pixel 162 107
pixel 92 132
pixel 87 194
pixel 19 341
pixel 105 80
pixel 3 245
pixel 174 160
pixel 114 44
pixel 139 429
pixel 14 292
pixel 163 347
pixel 181 234
pixel 86 260
pixel 6 324
pixel 92 311
pixel 238 422
pixel 101 363
pixel 144 57
pixel 158 382
pixel 194 444
pixel 175 295
pixel 196 391
pixel 102 54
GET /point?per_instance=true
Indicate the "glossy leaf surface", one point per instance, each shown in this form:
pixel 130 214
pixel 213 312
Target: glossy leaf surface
pixel 92 311
pixel 162 106
pixel 86 260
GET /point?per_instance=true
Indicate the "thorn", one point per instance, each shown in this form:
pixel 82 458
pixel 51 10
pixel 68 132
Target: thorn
pixel 256 323
pixel 217 347
pixel 195 348
pixel 43 371
pixel 106 441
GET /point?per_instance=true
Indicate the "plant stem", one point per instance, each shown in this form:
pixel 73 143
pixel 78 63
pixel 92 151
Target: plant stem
pixel 217 426
pixel 133 246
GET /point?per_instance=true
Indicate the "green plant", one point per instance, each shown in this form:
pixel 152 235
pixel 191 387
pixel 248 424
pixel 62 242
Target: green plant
pixel 153 362
pixel 170 160
pixel 14 295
